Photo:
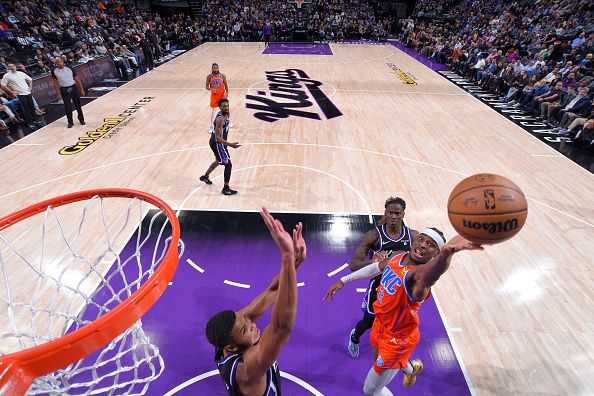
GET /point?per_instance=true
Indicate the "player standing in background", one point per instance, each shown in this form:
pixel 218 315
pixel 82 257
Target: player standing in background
pixel 216 83
pixel 218 144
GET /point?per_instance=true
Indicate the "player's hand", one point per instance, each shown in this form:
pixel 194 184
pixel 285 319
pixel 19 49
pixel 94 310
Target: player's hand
pixel 213 90
pixel 333 289
pixel 379 256
pixel 281 237
pixel 459 243
pixel 83 93
pixel 299 244
pixel 235 144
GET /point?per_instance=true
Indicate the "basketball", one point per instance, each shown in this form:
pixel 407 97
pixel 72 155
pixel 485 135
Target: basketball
pixel 487 208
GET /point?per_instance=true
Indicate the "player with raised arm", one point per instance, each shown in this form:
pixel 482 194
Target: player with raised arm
pixel 245 358
pixel 405 284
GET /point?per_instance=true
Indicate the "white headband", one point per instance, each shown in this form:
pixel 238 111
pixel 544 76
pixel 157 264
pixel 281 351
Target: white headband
pixel 434 235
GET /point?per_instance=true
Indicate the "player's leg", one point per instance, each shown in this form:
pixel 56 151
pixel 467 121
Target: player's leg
pixel 218 161
pixel 386 362
pixel 413 367
pixel 213 114
pixel 410 368
pixel 375 384
pixel 362 326
pixel 205 177
pixel 227 176
pixel 226 161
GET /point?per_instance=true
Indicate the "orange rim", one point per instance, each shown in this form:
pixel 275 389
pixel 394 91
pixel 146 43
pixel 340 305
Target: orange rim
pixel 19 369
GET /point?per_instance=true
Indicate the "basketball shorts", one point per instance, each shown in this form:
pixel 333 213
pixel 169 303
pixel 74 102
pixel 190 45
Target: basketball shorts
pixel 220 151
pixel 394 351
pixel 371 295
pixel 214 99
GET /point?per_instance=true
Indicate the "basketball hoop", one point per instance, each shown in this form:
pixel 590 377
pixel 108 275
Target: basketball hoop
pixel 105 313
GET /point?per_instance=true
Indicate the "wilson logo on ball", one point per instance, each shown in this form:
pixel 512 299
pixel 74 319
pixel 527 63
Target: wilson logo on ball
pixel 493 227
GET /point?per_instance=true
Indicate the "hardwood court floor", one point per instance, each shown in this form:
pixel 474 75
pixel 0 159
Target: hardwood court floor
pixel 521 314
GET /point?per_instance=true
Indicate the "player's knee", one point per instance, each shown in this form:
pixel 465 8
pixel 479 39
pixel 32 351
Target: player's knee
pixel 368 389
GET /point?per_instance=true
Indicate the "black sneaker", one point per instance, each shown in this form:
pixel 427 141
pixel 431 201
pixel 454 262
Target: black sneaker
pixel 205 179
pixel 228 191
pixel 70 125
pixel 82 122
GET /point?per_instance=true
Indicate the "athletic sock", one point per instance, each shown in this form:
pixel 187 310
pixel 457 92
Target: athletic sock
pixel 408 369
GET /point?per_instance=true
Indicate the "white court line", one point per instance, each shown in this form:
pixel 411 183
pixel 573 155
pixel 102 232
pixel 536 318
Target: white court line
pixel 548 155
pixel 369 212
pixel 236 284
pixel 257 210
pixel 170 283
pixel 560 211
pixel 361 290
pixel 215 372
pixel 393 51
pixel 300 284
pixel 196 266
pixel 304 384
pixel 279 144
pixel 337 270
pixel 454 347
pixel 324 82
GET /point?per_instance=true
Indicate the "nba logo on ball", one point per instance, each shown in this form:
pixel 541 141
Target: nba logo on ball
pixel 502 217
pixel 489 199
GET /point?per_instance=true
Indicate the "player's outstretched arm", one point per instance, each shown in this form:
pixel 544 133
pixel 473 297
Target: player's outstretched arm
pixel 264 300
pixel 367 272
pixel 274 337
pixel 420 279
pixel 358 260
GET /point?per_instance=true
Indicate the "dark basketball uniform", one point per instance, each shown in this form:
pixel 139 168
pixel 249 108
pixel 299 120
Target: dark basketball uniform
pixel 227 367
pixel 220 150
pixel 384 244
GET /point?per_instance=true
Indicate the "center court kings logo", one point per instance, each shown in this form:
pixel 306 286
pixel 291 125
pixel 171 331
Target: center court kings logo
pixel 289 92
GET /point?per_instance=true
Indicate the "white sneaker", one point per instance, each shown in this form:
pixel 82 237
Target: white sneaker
pixel 353 348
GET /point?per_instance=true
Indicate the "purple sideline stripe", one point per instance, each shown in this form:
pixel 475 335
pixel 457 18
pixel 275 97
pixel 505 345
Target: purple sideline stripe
pixel 298 49
pixel 435 66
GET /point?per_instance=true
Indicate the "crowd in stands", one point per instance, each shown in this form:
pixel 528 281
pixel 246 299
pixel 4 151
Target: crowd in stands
pixel 37 31
pixel 536 55
pixel 34 33
pixel 327 20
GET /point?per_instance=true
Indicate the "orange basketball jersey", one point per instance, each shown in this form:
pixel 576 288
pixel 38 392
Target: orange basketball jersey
pixel 216 82
pixel 395 308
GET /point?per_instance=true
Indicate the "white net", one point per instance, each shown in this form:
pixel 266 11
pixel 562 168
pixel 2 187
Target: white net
pixel 65 268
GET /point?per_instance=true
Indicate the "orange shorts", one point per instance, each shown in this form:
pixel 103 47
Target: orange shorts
pixel 394 352
pixel 214 99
